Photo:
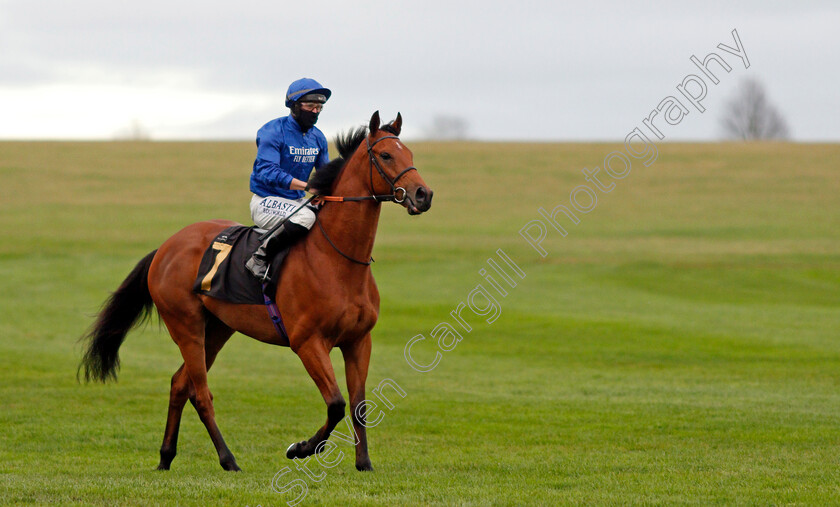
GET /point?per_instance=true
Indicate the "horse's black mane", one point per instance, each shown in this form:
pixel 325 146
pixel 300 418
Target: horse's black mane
pixel 346 143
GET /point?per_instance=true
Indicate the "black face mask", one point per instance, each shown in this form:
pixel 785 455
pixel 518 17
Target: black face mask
pixel 306 119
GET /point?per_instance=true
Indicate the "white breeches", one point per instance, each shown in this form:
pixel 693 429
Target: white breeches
pixel 268 211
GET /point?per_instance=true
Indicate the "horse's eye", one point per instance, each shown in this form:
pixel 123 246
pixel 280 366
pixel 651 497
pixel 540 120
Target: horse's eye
pixel 385 156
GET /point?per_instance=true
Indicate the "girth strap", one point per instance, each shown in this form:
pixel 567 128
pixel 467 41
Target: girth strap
pixel 274 314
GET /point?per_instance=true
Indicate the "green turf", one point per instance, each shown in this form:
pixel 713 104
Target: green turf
pixel 680 345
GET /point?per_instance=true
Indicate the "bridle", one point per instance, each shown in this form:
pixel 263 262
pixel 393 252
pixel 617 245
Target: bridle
pixel 392 183
pixel 393 196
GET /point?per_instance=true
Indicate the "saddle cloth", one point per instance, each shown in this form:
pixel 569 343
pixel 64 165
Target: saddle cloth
pixel 222 274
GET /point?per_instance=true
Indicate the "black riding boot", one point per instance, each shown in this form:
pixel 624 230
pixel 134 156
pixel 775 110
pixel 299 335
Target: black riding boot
pixel 282 238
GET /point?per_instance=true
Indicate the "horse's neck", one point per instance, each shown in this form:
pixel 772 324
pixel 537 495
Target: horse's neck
pixel 351 226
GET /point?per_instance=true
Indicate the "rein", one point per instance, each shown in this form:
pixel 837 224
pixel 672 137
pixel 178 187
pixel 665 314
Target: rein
pixel 372 197
pixel 324 232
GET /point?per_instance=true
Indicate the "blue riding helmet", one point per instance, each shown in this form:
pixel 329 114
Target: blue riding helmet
pixel 302 87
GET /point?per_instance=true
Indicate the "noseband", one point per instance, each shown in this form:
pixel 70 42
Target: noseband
pixel 392 183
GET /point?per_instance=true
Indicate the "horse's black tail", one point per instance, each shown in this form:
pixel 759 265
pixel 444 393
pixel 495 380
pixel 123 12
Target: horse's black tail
pixel 131 304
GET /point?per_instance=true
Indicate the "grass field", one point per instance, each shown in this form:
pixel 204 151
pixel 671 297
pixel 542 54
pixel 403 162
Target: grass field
pixel 680 345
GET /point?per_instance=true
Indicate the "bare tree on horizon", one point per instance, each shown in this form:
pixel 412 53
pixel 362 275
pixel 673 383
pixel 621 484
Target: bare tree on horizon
pixel 749 116
pixel 448 128
pixel 135 131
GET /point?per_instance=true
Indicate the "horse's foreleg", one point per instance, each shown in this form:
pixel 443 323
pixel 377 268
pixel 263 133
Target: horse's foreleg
pixel 356 360
pixel 316 359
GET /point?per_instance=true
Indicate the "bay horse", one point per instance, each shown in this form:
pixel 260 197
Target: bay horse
pixel 327 294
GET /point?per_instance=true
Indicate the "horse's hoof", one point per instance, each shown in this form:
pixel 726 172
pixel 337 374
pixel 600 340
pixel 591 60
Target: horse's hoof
pixel 364 467
pixel 231 466
pixel 297 450
pixel 166 457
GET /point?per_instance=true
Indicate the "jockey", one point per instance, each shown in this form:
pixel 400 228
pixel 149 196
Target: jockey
pixel 287 150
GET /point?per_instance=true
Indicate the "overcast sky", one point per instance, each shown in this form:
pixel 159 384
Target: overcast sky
pixel 90 69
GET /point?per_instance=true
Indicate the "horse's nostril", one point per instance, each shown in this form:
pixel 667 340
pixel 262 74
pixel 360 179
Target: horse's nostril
pixel 420 195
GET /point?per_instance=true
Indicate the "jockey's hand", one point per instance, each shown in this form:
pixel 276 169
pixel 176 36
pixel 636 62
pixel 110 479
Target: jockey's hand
pixel 314 191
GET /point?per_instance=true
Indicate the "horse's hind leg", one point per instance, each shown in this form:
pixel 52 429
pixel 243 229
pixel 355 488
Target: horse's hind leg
pixel 216 335
pixel 178 394
pixel 188 332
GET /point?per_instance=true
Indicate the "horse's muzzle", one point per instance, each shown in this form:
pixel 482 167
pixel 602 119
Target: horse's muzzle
pixel 420 201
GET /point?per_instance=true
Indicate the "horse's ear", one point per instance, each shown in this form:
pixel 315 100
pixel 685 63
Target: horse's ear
pixel 374 123
pixel 397 124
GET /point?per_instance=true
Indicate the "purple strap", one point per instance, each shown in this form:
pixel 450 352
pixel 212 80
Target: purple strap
pixel 274 313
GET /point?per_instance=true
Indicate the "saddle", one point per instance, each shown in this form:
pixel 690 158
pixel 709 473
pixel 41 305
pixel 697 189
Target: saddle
pixel 222 274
